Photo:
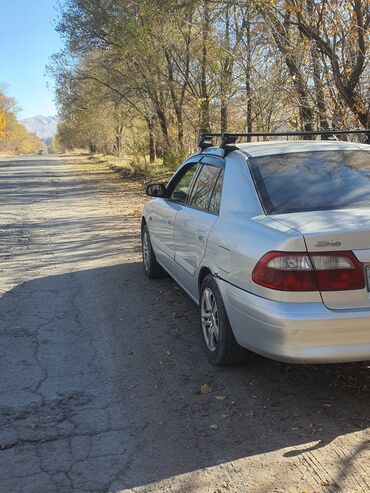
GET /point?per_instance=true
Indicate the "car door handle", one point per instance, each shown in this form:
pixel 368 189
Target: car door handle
pixel 201 235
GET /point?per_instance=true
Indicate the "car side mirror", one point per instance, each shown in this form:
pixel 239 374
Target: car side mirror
pixel 156 190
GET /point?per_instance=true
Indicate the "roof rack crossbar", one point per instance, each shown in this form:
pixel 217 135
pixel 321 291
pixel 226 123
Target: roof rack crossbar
pixel 229 139
pixel 298 133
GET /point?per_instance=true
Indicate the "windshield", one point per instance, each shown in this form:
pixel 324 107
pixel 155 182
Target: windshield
pixel 312 181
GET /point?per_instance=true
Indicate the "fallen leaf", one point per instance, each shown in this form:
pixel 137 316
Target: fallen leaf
pixel 220 397
pixel 214 427
pixel 205 389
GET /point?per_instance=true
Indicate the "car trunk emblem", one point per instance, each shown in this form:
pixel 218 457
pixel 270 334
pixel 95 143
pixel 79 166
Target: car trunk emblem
pixel 332 243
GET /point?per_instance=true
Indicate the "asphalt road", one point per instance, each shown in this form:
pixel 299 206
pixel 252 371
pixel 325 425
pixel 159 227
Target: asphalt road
pixel 101 369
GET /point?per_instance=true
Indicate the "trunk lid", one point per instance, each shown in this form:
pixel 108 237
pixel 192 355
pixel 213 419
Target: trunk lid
pixel 330 231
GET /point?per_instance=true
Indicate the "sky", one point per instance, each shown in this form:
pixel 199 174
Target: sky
pixel 27 40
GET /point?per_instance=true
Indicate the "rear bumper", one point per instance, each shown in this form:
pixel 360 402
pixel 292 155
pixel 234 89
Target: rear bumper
pixel 297 332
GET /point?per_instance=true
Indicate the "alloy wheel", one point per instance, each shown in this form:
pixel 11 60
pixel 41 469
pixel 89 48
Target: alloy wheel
pixel 210 319
pixel 146 252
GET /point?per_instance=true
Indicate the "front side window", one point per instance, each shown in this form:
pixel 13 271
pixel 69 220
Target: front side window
pixel 181 190
pixel 313 181
pixel 203 187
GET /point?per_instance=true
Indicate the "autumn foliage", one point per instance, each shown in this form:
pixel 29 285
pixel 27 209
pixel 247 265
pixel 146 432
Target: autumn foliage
pixel 14 138
pixel 148 76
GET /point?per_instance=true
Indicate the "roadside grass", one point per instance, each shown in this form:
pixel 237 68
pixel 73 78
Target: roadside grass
pixel 135 168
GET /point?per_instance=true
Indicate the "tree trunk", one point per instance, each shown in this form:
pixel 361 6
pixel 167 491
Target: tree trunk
pixel 320 95
pixel 176 103
pixel 346 85
pixel 248 76
pixel 305 110
pixel 280 33
pixel 223 104
pixel 163 124
pixel 204 108
pixel 151 143
pixel 317 76
pixel 118 144
pixel 225 78
pixel 226 81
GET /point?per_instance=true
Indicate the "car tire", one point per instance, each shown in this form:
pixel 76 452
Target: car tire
pixel 218 338
pixel 152 268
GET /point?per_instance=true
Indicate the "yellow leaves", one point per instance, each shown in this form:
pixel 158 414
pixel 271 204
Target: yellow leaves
pixel 294 9
pixel 3 123
pixel 267 3
pixel 206 389
pixel 172 131
pixel 290 79
pixel 200 102
pixel 27 148
pixel 14 138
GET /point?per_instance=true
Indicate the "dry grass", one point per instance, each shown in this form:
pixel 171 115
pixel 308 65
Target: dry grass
pixel 135 168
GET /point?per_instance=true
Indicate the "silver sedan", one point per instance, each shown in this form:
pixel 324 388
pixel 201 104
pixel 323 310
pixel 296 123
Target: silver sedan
pixel 272 241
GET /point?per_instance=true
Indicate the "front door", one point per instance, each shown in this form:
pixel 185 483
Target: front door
pixel 163 213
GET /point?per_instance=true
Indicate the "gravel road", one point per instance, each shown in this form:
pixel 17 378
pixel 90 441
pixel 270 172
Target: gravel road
pixel 101 370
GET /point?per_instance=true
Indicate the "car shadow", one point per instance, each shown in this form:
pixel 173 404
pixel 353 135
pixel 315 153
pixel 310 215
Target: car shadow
pixel 102 372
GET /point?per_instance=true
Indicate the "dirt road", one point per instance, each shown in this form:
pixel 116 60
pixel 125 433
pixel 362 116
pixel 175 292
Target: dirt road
pixel 101 369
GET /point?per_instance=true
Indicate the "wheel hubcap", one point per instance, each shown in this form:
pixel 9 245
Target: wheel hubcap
pixel 210 319
pixel 146 253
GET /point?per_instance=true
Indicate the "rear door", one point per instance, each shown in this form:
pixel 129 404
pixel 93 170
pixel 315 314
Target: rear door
pixel 194 221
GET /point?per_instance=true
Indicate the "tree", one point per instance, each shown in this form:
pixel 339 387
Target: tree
pixel 339 30
pixel 159 72
pixel 14 138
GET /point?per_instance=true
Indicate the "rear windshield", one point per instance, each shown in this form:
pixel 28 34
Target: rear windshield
pixel 312 181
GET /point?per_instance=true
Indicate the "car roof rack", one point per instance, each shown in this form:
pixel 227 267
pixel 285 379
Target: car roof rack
pixel 206 140
pixel 229 139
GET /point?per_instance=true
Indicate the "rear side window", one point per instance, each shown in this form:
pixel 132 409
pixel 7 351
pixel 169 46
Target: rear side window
pixel 214 203
pixel 312 181
pixel 203 187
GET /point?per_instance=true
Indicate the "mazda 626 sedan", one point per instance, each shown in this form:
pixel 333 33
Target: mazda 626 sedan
pixel 272 240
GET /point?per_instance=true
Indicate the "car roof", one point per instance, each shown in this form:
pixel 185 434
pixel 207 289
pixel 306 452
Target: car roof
pixel 254 149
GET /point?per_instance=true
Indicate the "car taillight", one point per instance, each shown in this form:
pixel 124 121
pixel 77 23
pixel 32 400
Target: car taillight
pixel 335 271
pixel 338 271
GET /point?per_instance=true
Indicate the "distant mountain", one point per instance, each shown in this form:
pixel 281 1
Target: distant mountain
pixel 43 126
